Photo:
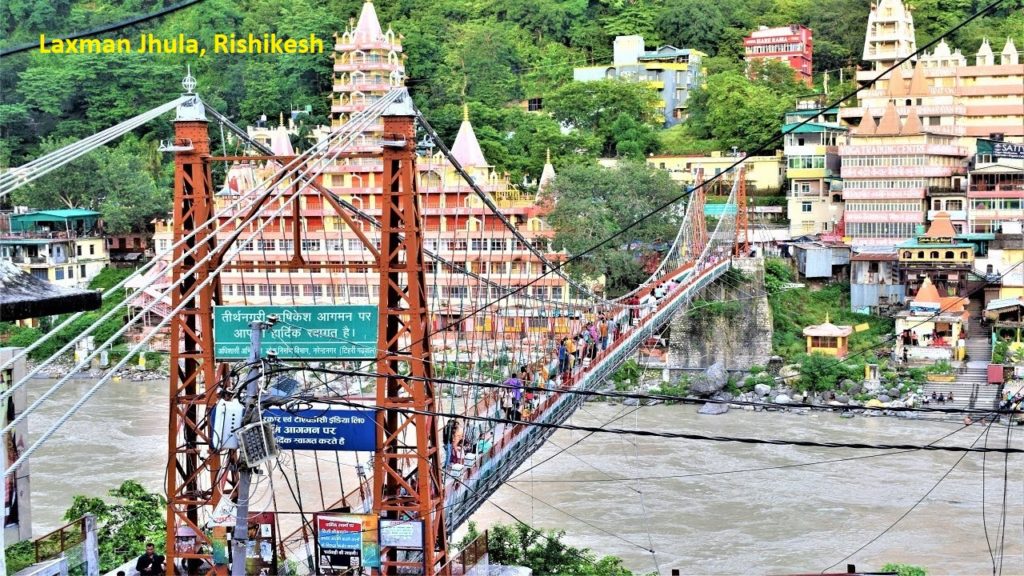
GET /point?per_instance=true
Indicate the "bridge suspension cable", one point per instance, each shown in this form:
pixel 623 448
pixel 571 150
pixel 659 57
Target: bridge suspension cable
pixel 335 151
pixel 17 177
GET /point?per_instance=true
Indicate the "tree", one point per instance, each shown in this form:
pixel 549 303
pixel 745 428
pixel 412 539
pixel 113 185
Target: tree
pixel 595 107
pixel 740 112
pixel 904 569
pixel 117 182
pixel 692 24
pixel 820 373
pixel 593 203
pixel 131 198
pixel 125 526
pixel 546 553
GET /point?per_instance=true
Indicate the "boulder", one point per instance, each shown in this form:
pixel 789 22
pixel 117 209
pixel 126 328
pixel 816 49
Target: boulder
pixel 842 398
pixel 855 388
pixel 897 404
pixel 782 399
pixel 713 409
pixel 711 381
pixel 790 373
pixel 894 392
pixel 884 398
pixel 631 402
pixel 846 384
pixel 762 390
pixel 871 385
pixel 798 398
pixel 723 396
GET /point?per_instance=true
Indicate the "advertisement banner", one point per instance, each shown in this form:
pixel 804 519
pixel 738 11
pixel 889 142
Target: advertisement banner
pixel 344 542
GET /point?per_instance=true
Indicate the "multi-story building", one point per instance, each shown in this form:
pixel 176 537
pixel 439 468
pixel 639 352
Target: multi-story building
pixel 889 38
pixel 952 97
pixel 764 173
pixel 814 201
pixel 792 45
pixel 674 72
pixel 995 191
pixel 888 170
pixel 64 247
pixel 367 63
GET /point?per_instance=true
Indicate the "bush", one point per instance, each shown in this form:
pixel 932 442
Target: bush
pixel 904 569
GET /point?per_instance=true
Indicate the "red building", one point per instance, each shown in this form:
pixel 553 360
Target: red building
pixel 791 44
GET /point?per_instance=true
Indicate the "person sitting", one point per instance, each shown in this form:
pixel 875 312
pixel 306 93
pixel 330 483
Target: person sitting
pixel 942 398
pixel 950 397
pixel 935 396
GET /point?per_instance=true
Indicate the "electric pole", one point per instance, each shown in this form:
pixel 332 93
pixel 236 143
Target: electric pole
pixel 240 538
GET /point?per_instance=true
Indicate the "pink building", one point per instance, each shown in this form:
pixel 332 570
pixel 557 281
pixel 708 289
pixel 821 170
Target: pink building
pixel 793 45
pixel 890 168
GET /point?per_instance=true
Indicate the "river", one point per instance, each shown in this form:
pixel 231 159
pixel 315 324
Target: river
pixel 776 520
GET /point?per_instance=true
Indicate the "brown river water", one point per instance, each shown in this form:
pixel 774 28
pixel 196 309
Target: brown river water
pixel 717 508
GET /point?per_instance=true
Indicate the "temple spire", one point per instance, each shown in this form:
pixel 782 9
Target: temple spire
pixel 466 148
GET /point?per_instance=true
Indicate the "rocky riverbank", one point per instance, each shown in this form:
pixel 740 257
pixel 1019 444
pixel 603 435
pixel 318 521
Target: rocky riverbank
pixel 62 367
pixel 723 391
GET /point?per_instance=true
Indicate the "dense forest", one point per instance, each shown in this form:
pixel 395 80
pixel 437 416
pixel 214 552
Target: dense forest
pixel 489 54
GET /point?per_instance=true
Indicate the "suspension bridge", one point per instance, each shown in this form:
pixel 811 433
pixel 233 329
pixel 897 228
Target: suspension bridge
pixel 478 288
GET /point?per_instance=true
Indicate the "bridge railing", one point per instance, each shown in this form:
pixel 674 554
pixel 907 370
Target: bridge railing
pixel 472 486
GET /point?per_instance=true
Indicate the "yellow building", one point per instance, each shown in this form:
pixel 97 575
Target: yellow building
pixel 63 247
pixel 764 173
pixel 828 339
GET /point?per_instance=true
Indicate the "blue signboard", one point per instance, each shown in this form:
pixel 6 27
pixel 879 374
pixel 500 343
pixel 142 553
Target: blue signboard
pixel 324 429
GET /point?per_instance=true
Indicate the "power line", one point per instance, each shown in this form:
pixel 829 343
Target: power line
pixel 914 506
pixel 743 470
pixel 107 28
pixel 690 436
pixel 640 397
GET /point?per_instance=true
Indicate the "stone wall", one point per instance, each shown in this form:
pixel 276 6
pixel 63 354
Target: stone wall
pixel 739 340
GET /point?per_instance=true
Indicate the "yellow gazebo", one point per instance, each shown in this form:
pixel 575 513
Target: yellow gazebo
pixel 828 338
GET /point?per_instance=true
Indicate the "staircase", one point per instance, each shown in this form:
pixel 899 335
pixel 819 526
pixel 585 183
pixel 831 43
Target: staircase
pixel 971 389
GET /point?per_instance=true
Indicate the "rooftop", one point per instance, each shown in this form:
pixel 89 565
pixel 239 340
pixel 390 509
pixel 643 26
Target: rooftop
pixel 25 296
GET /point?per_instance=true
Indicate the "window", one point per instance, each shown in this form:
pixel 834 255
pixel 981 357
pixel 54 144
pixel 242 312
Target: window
pixel 40 273
pixel 92 249
pixel 246 246
pixel 163 244
pixel 497 244
pixel 287 245
pixel 264 245
pixel 78 249
pixel 934 254
pixel 58 273
pixel 556 292
pixel 250 289
pixel 310 245
pixel 949 255
pixel 314 290
pixel 268 290
pixel 805 207
pixel 289 290
pixel 81 271
pixel 476 244
pixel 540 291
pixel 71 271
pixel 358 291
pixel 963 254
pixel 335 245
pixel 535 104
pixel 906 255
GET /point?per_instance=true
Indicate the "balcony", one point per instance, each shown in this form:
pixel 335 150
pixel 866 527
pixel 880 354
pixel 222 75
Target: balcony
pixel 901 171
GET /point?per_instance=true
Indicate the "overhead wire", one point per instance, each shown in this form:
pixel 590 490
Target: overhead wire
pixel 912 507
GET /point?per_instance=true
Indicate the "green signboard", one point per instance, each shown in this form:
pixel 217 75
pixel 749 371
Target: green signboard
pixel 301 333
pixel 1001 149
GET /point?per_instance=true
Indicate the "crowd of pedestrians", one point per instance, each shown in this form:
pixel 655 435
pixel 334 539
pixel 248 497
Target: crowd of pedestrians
pixel 527 386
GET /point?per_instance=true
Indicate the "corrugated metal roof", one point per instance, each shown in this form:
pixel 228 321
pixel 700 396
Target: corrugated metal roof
pixel 45 215
pixel 810 128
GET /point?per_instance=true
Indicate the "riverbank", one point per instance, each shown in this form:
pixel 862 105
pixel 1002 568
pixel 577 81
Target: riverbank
pixel 62 367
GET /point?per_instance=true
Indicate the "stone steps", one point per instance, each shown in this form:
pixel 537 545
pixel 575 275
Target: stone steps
pixel 987 395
